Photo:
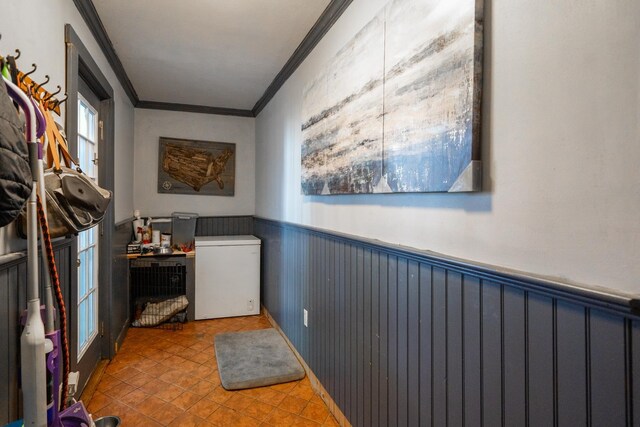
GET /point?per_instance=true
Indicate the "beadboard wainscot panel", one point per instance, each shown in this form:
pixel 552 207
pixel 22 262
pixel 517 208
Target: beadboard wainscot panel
pixel 13 286
pixel 119 315
pixel 224 225
pixel 405 337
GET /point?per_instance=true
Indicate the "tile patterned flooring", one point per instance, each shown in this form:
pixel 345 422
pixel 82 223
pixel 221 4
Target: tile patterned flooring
pixel 170 378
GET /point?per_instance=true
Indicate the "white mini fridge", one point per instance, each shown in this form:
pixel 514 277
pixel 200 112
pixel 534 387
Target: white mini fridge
pixel 227 276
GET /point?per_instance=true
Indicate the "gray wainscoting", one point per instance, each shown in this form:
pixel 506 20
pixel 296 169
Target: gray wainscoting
pixel 13 277
pixel 224 225
pixel 119 315
pixel 403 338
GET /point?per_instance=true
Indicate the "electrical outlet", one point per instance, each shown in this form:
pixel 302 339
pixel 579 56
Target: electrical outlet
pixel 306 317
pixel 250 304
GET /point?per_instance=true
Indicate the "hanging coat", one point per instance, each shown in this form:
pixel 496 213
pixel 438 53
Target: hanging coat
pixel 15 173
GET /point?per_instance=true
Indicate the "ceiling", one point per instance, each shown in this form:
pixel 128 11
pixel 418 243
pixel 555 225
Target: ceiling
pixel 214 53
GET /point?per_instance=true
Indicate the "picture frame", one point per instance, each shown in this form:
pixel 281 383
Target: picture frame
pixel 196 167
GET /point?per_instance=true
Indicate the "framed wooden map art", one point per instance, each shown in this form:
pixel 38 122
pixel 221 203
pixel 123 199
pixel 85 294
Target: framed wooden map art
pixel 196 167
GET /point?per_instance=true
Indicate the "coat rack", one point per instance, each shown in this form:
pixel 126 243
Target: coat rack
pixel 28 85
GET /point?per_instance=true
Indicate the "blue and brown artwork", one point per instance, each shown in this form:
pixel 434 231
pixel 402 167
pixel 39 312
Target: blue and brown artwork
pixel 398 108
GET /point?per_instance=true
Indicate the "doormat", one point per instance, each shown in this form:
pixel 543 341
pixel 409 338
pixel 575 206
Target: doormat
pixel 255 359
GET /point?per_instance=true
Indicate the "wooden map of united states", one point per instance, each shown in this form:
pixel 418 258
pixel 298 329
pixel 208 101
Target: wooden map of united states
pixel 194 167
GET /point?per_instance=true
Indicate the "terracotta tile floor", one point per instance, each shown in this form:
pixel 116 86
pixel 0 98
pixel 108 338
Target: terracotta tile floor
pixel 170 378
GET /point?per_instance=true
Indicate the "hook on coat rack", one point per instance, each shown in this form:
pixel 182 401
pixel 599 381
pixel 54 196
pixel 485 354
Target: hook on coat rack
pixel 35 67
pixel 53 94
pixel 39 85
pixel 18 54
pixel 59 103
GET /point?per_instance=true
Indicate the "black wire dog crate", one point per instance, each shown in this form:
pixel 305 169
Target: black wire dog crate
pixel 158 293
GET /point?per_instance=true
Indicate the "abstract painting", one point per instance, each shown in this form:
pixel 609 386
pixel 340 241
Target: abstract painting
pixel 196 167
pixel 397 109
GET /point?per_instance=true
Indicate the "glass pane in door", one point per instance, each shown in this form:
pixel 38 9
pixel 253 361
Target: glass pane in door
pixel 87 240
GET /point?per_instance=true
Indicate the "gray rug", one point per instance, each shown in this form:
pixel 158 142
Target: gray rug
pixel 255 359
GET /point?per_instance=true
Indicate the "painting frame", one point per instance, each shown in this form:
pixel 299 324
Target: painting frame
pixel 398 108
pixel 196 167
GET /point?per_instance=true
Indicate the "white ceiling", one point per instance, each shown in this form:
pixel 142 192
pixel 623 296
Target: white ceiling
pixel 217 53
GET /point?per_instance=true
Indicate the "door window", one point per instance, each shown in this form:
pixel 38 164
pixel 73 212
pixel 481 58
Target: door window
pixel 87 240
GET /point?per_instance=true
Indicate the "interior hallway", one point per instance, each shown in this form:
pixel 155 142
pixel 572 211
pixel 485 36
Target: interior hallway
pixel 170 378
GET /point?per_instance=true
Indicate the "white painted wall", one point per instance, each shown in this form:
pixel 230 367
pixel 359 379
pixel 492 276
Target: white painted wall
pixel 37 28
pixel 150 125
pixel 561 145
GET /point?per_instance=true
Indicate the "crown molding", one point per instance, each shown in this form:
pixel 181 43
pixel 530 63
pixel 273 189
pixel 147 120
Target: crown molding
pixel 90 15
pixel 190 108
pixel 330 15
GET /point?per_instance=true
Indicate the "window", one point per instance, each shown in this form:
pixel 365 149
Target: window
pixel 87 240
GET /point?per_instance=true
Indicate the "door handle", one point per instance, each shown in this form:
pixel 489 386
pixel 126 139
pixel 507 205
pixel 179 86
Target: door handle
pixel 78 262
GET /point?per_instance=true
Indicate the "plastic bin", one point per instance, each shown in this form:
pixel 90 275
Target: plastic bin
pixel 184 230
pixel 162 224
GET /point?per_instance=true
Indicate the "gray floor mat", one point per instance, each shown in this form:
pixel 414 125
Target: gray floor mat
pixel 254 359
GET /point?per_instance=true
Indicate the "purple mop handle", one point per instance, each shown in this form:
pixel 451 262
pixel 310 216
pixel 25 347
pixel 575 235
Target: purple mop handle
pixel 25 103
pixel 41 123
